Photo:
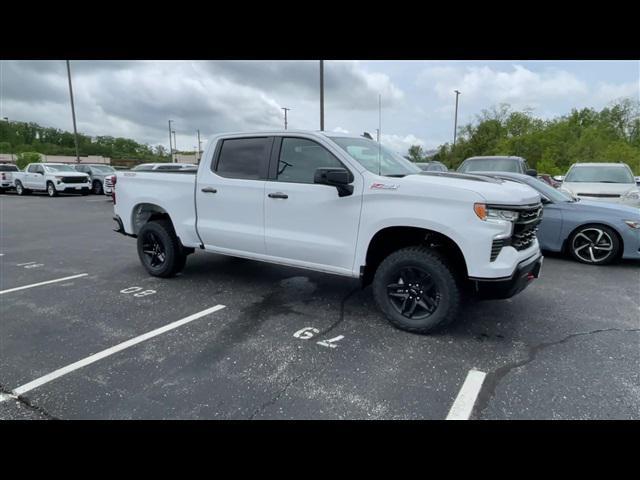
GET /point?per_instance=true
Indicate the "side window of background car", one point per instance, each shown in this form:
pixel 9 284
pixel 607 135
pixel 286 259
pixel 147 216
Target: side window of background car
pixel 299 159
pixel 244 158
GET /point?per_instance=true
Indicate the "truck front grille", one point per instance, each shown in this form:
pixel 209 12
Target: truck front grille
pixel 74 180
pixel 524 229
pixel 496 246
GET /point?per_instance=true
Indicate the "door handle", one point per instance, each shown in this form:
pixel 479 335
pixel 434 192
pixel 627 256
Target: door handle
pixel 278 195
pixel 209 190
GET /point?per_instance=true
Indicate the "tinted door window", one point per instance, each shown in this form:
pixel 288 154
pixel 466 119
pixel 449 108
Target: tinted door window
pixel 246 158
pixel 299 159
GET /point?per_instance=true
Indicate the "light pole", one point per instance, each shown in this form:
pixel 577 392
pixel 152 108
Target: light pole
pixel 322 95
pixel 199 146
pixel 73 113
pixel 170 144
pixel 285 116
pixel 455 122
pixel 175 145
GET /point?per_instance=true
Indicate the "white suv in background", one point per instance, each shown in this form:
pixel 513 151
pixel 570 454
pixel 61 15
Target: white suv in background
pixel 603 182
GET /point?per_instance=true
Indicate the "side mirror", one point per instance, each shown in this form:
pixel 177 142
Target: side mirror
pixel 532 172
pixel 336 177
pixel 558 178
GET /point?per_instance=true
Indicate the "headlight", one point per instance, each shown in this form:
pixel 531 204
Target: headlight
pixel 58 178
pixel 632 195
pixel 566 190
pixel 485 213
pixel 632 224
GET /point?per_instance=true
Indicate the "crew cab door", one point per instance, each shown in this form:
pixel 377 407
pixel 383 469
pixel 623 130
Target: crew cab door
pixel 308 224
pixel 35 177
pixel 230 195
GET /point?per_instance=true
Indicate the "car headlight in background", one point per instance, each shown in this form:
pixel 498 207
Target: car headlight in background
pixel 632 224
pixel 632 195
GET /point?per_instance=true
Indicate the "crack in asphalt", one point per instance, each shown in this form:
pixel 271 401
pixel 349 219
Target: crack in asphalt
pixel 494 378
pixel 27 403
pixel 277 396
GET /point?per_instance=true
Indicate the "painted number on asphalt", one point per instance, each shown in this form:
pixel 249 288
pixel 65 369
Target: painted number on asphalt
pixel 309 332
pixel 137 291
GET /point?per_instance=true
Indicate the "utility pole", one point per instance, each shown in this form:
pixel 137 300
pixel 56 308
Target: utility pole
pixel 322 95
pixel 199 146
pixel 285 116
pixel 175 145
pixel 455 124
pixel 73 113
pixel 379 115
pixel 170 144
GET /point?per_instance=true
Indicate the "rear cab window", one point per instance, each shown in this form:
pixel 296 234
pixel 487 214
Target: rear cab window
pixel 244 158
pixel 8 168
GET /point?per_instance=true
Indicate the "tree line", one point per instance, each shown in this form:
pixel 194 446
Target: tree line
pixel 551 146
pixel 27 137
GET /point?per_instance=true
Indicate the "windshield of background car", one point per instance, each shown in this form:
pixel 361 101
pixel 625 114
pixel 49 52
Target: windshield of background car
pixel 490 165
pixel 599 174
pixel 60 168
pixel 548 191
pixel 376 158
pixel 104 169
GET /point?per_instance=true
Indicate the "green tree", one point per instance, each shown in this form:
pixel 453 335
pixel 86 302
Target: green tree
pixel 25 158
pixel 416 154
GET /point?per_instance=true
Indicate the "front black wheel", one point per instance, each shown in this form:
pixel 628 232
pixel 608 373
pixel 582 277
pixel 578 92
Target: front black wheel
pixel 594 244
pixel 160 250
pixel 416 290
pixel 51 189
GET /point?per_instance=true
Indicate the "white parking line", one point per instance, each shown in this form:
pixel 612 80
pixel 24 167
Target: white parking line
pixel 2 292
pixel 21 264
pixel 110 351
pixel 463 405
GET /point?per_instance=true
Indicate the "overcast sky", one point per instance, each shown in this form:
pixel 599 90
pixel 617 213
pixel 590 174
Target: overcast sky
pixel 135 99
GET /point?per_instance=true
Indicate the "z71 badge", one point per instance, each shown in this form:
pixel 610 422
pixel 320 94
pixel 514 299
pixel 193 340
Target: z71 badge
pixel 384 186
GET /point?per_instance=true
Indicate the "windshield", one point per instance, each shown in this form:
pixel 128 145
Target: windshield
pixel 490 165
pixel 548 191
pixel 599 174
pixel 60 168
pixel 376 158
pixel 103 168
pixel 142 167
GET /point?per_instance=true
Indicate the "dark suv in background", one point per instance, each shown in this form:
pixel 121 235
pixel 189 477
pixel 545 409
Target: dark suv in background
pixel 497 164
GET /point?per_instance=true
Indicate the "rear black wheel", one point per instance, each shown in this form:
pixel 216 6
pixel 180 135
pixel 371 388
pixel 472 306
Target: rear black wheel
pixel 160 250
pixel 20 190
pixel 97 187
pixel 416 290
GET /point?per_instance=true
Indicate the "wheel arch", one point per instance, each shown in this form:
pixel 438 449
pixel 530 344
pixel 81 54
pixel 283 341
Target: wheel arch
pixel 145 212
pixel 392 238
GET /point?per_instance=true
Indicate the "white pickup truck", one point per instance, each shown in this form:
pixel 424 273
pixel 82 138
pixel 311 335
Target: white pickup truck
pixel 343 205
pixel 52 178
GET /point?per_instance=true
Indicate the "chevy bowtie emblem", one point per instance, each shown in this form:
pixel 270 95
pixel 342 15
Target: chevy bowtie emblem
pixel 384 186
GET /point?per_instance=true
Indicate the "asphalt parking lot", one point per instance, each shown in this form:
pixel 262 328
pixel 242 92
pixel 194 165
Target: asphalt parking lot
pixel 287 343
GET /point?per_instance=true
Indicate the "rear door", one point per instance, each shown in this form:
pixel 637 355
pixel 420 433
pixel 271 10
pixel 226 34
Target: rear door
pixel 230 195
pixel 307 222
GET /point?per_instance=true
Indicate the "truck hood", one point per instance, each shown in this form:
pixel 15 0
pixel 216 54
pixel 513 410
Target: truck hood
pixel 494 191
pixel 68 174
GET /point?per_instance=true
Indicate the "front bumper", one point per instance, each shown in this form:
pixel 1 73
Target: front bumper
pixel 500 288
pixel 73 187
